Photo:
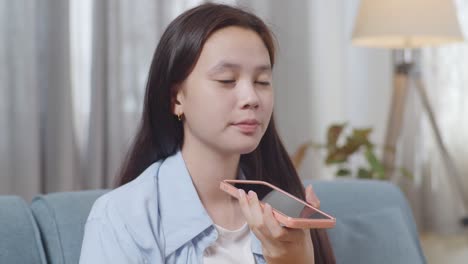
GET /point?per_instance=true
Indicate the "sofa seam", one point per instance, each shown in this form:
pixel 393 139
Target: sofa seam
pixel 36 231
pixel 52 213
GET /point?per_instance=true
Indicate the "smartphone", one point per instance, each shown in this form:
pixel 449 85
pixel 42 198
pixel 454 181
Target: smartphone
pixel 289 210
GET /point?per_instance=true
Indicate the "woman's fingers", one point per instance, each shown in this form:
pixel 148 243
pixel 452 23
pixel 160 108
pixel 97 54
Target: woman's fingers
pixel 276 230
pixel 251 208
pixel 252 211
pixel 255 216
pixel 256 211
pixel 244 205
pixel 262 221
pixel 311 197
pixel 277 242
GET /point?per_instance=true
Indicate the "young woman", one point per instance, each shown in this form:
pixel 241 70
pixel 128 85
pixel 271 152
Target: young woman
pixel 207 117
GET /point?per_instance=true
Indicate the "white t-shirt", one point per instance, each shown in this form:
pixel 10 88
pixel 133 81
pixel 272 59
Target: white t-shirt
pixel 232 246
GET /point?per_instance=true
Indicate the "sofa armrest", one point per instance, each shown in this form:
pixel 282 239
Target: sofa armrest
pixel 61 218
pixel 20 241
pixel 352 200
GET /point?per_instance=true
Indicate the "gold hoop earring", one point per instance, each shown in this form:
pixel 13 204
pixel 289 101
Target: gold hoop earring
pixel 179 117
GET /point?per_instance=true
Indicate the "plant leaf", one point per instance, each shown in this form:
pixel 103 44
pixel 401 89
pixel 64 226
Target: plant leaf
pixel 358 138
pixel 363 173
pixel 375 164
pixel 334 132
pixel 362 134
pixel 343 172
pixel 336 156
pixel 352 145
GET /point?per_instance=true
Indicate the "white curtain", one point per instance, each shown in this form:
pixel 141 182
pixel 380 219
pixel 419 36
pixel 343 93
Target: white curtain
pixel 445 72
pixel 72 79
pixel 20 125
pixel 35 119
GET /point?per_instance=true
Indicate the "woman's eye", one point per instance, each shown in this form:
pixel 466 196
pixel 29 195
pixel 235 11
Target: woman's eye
pixel 263 83
pixel 227 81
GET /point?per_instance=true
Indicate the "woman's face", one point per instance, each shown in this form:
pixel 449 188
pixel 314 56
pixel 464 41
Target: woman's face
pixel 227 100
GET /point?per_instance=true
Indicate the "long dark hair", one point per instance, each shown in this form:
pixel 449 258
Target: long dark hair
pixel 160 134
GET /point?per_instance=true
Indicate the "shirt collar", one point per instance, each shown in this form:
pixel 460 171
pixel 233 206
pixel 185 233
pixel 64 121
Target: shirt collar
pixel 183 216
pixel 256 245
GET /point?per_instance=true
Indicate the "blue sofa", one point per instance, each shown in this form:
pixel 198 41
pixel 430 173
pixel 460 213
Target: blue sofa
pixel 374 224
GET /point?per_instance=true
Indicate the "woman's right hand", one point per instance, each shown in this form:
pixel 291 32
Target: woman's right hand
pixel 279 244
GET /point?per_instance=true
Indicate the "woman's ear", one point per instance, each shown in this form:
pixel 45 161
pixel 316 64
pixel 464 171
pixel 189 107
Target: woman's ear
pixel 177 101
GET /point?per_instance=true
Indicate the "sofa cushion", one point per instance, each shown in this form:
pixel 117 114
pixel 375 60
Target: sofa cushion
pixel 61 218
pixel 19 236
pixel 376 237
pixel 363 196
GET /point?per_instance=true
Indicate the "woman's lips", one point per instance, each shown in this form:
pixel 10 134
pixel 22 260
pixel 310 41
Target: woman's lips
pixel 248 128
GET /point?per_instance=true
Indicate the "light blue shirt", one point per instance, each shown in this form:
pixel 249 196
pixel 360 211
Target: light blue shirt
pixel 156 218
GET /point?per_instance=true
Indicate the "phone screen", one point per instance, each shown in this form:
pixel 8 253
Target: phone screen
pixel 282 202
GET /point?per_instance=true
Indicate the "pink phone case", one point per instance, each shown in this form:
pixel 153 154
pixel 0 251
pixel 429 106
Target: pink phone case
pixel 227 186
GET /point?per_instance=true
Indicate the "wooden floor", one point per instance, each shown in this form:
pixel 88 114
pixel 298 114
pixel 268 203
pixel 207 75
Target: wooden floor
pixel 445 249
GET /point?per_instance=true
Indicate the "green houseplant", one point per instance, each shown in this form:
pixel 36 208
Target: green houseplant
pixel 341 145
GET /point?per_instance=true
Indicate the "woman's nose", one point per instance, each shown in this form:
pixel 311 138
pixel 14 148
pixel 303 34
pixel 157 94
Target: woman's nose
pixel 249 96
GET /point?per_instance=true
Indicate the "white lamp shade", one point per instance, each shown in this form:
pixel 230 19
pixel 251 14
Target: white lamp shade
pixel 406 23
